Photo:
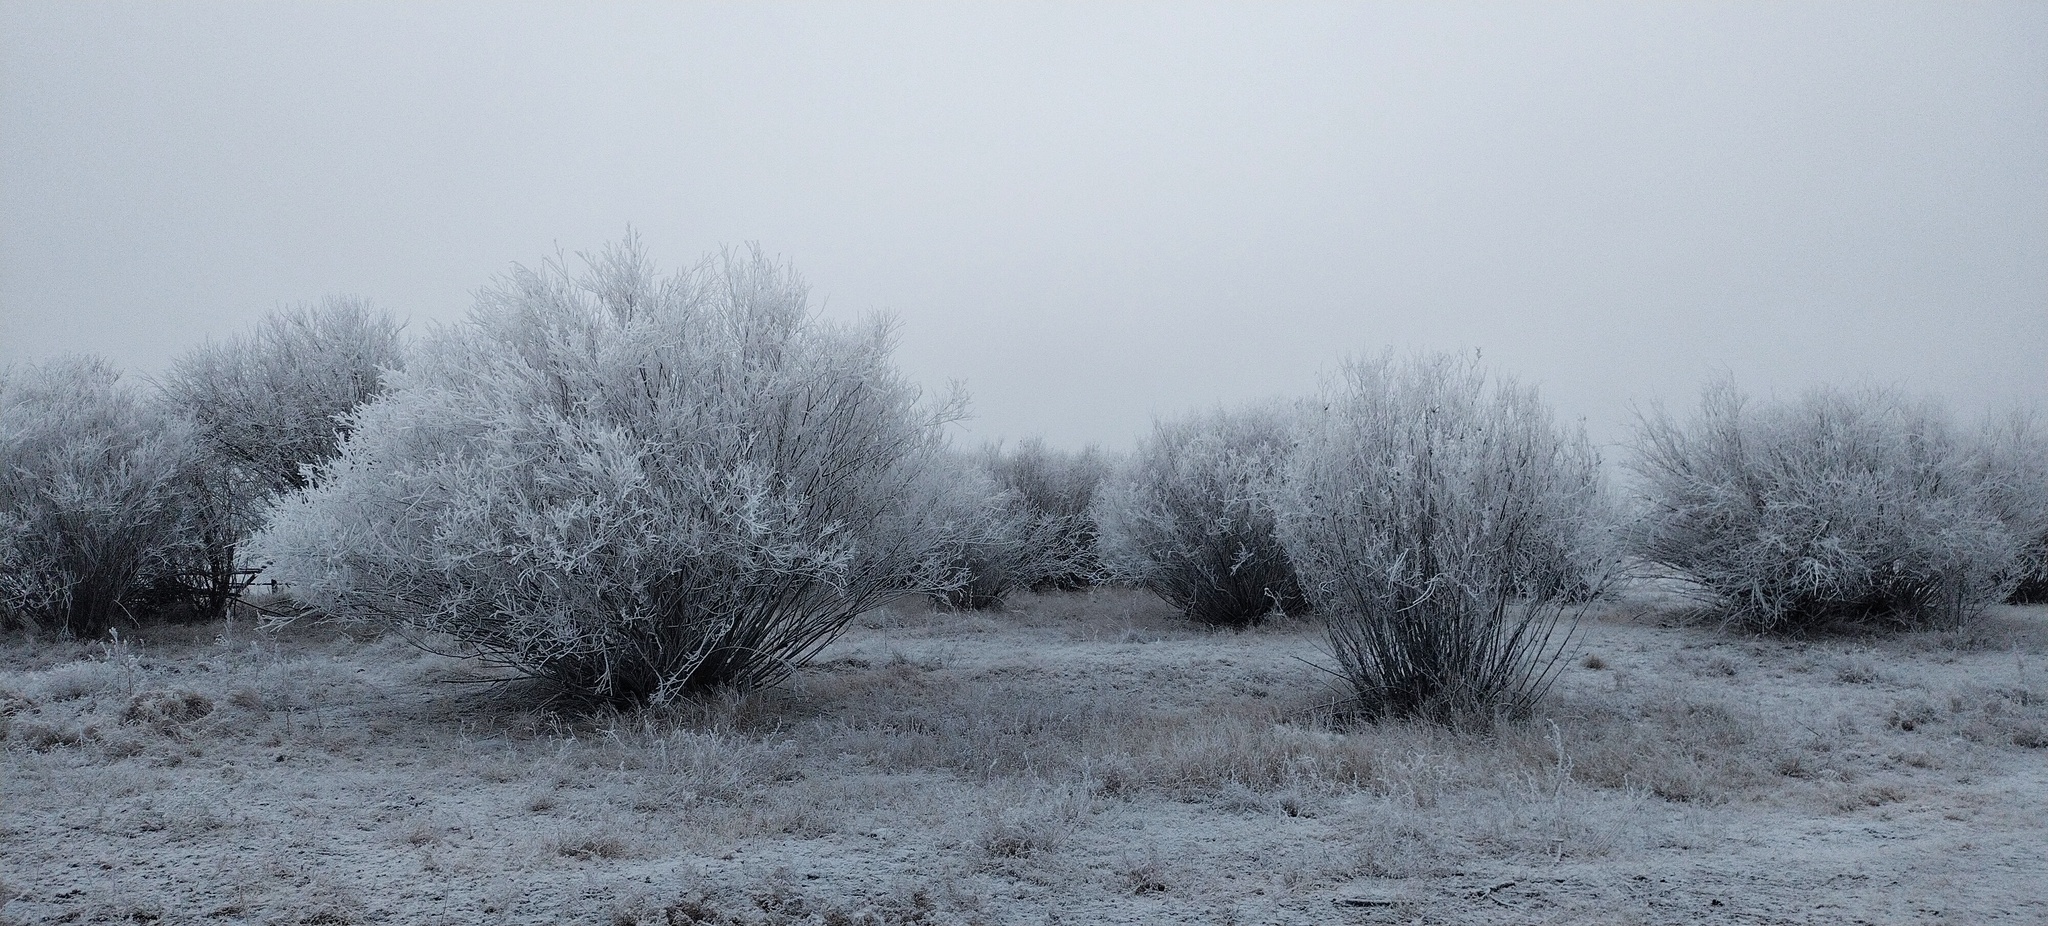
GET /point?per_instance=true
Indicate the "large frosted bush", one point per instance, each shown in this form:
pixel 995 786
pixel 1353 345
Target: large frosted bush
pixel 89 494
pixel 1186 518
pixel 267 407
pixel 1840 506
pixel 635 487
pixel 1444 524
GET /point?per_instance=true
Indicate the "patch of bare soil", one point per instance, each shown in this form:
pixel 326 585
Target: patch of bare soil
pixel 1081 758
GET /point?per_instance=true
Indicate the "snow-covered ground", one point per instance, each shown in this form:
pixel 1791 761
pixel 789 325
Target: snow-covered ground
pixel 1083 758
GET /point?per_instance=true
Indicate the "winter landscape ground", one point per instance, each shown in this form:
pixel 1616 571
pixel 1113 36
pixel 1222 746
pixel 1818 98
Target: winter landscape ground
pixel 1078 758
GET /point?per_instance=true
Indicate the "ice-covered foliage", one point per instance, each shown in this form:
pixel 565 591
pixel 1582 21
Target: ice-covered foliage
pixel 636 487
pixel 1444 524
pixel 267 407
pixel 2013 464
pixel 275 401
pixel 1056 489
pixel 89 499
pixel 1841 506
pixel 999 543
pixel 1186 516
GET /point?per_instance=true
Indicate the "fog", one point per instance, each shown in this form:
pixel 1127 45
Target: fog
pixel 1088 214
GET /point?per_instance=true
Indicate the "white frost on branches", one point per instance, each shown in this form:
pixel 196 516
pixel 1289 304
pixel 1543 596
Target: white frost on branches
pixel 1444 524
pixel 1841 505
pixel 633 486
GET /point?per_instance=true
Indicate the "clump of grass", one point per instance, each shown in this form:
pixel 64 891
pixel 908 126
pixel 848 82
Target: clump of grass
pixel 43 737
pixel 81 680
pixel 1857 669
pixel 1687 751
pixel 778 901
pixel 166 711
pixel 1912 713
pixel 1994 715
pixel 2004 715
pixel 1026 826
pixel 420 834
pixel 1143 874
pixel 587 846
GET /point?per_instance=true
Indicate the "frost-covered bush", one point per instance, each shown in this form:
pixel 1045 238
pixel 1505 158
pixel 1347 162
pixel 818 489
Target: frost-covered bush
pixel 2012 464
pixel 267 407
pixel 1844 505
pixel 1056 490
pixel 276 399
pixel 1443 523
pixel 1186 518
pixel 634 487
pixel 998 542
pixel 89 503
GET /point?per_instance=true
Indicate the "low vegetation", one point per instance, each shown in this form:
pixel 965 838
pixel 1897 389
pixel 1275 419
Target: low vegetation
pixel 1057 488
pixel 266 409
pixel 1082 756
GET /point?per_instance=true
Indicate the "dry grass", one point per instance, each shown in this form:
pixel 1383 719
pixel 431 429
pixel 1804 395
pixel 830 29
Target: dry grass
pixel 1087 757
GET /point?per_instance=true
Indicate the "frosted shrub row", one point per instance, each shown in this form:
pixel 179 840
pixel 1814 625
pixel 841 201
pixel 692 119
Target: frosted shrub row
pixel 639 486
pixel 118 502
pixel 1440 523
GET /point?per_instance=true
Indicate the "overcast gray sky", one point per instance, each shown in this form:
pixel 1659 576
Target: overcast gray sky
pixel 1089 213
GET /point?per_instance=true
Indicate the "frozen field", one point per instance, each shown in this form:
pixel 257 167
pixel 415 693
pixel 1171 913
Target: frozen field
pixel 1080 759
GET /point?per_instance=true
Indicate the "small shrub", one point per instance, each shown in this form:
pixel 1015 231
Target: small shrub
pixel 1056 489
pixel 1185 517
pixel 1440 521
pixel 998 543
pixel 1851 506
